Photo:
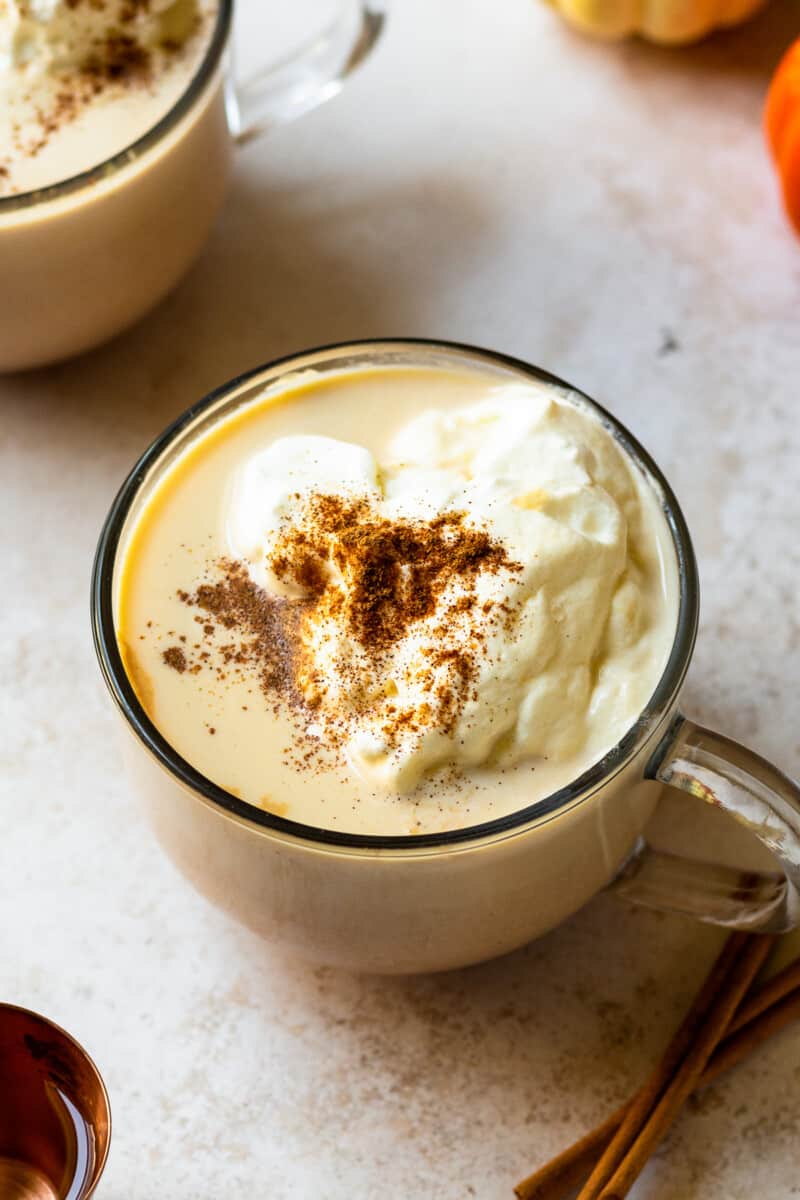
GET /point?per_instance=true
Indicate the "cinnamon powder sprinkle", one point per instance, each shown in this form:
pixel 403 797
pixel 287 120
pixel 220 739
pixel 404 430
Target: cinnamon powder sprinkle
pixel 396 569
pixel 374 578
pixel 176 658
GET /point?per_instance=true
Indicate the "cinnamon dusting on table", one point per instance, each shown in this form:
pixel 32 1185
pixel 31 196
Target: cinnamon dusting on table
pixel 725 1023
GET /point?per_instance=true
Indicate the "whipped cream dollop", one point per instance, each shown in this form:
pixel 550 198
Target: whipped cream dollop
pixel 542 639
pixel 42 36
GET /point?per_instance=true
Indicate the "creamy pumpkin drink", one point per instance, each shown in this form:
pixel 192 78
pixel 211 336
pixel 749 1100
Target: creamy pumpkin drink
pixel 398 600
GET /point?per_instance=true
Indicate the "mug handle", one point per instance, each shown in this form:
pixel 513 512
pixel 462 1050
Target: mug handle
pixel 308 77
pixel 760 797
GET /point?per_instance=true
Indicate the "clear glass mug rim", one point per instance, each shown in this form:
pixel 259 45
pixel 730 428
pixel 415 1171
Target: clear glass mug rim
pixel 131 153
pixel 579 790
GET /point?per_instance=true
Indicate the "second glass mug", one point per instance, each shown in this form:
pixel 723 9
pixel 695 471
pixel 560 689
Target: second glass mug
pixel 85 258
pixel 437 901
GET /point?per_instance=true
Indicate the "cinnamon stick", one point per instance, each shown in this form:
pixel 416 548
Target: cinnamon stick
pixel 682 1083
pixel 646 1098
pixel 780 985
pixel 740 1044
pixel 775 1005
pixel 562 1175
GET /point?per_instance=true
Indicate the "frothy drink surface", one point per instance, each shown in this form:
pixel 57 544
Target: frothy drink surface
pixel 398 601
pixel 80 80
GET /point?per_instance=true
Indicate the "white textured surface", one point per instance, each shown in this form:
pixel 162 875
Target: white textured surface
pixel 487 177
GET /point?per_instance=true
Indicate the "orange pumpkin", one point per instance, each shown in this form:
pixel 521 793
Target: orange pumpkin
pixel 782 124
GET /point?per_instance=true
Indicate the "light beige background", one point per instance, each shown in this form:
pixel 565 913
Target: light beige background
pixel 610 214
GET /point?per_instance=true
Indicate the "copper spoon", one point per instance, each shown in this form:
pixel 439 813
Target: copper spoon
pixel 55 1121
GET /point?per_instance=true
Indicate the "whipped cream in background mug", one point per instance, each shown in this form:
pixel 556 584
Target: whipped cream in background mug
pixel 81 80
pixel 117 123
pixel 534 835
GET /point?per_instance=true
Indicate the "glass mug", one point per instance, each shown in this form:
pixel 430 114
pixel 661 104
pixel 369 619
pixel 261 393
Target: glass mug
pixel 86 257
pixel 425 903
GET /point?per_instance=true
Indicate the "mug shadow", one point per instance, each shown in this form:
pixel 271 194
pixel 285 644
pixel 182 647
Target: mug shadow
pixel 553 1036
pixel 283 271
pixel 491 1070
